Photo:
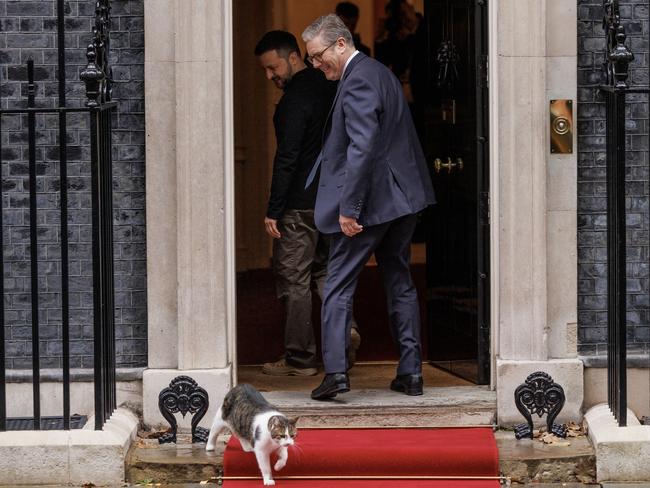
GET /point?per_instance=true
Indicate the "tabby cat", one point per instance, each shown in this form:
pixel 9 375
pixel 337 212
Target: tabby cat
pixel 258 425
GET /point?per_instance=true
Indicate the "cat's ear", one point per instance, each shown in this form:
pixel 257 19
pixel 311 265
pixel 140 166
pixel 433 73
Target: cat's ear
pixel 294 421
pixel 274 422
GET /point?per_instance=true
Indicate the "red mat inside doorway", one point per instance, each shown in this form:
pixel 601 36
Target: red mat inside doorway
pixel 260 317
pixel 470 452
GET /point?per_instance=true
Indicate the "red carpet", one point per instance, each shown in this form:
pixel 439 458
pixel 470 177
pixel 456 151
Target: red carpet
pixel 367 484
pixel 468 452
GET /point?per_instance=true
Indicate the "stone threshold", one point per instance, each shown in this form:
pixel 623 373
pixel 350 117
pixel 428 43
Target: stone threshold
pixel 73 457
pixel 455 406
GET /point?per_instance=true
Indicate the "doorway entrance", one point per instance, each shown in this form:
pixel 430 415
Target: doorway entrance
pixel 446 84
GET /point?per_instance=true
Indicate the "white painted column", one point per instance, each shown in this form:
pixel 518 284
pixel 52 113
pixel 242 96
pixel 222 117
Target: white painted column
pixel 522 141
pixel 562 185
pixel 536 209
pixel 189 198
pixel 202 337
pixel 160 86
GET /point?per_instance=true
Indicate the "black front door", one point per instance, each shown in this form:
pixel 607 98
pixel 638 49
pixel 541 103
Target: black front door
pixel 450 91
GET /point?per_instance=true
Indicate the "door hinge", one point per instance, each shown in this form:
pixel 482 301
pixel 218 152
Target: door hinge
pixel 484 65
pixel 485 208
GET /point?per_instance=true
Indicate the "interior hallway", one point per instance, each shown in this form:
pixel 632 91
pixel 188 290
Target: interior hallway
pixel 363 376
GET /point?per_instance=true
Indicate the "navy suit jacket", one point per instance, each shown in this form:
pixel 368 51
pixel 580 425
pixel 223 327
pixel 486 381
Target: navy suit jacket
pixel 372 165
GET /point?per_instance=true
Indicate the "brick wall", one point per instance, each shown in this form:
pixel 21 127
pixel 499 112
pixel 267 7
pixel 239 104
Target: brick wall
pixel 592 269
pixel 28 30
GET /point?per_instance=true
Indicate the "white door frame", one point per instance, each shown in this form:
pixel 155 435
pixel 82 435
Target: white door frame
pixel 229 190
pixel 493 108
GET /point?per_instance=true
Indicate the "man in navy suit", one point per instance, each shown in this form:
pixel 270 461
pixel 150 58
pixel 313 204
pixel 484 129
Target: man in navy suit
pixel 373 182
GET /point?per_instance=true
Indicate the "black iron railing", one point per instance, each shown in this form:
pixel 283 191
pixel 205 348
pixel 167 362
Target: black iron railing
pixel 615 91
pixel 98 107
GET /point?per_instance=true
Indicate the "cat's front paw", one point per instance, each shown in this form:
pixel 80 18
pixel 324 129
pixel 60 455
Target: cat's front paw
pixel 280 463
pixel 209 447
pixel 269 482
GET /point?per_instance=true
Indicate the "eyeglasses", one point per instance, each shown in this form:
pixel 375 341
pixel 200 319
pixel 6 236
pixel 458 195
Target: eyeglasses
pixel 319 56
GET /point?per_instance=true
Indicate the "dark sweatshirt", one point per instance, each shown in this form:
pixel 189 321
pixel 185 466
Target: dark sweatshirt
pixel 298 120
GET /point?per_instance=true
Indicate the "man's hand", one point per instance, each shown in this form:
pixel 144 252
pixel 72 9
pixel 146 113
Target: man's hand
pixel 272 227
pixel 349 226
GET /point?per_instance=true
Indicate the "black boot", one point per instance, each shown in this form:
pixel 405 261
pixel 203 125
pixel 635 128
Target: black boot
pixel 411 384
pixel 333 384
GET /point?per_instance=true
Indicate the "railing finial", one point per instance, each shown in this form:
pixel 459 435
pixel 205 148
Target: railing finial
pixel 621 57
pixel 92 77
pixel 618 56
pixel 98 75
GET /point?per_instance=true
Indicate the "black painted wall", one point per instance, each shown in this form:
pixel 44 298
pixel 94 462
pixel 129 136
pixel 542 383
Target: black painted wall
pixel 28 30
pixel 592 269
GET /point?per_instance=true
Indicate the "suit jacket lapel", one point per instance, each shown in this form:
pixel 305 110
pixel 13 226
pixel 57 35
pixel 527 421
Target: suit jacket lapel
pixel 353 62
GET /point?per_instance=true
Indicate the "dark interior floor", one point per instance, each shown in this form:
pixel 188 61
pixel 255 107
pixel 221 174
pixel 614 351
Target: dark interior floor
pixel 363 376
pixel 260 317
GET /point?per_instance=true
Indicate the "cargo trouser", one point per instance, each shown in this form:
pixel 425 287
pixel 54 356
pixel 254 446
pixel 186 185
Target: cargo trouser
pixel 299 259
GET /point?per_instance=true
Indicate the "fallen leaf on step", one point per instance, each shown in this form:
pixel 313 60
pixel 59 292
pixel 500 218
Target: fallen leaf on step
pixel 146 443
pixel 576 430
pixel 154 434
pixel 552 439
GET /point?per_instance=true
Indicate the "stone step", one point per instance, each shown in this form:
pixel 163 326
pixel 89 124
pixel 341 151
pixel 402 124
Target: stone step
pixel 527 485
pixel 458 406
pixel 438 407
pixel 531 461
pixel 213 484
pixel 173 463
pixel 523 461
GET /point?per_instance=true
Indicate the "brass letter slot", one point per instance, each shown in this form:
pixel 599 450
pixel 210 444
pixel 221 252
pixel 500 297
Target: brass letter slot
pixel 561 126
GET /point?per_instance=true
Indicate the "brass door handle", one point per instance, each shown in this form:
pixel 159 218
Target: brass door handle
pixel 438 165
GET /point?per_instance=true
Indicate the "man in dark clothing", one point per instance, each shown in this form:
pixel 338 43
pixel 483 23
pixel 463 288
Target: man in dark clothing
pixel 373 181
pixel 299 251
pixel 349 14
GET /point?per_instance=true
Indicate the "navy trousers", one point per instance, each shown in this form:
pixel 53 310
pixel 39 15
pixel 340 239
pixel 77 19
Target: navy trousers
pixel 391 243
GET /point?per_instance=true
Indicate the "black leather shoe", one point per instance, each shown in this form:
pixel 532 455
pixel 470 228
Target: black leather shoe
pixel 332 385
pixel 411 384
